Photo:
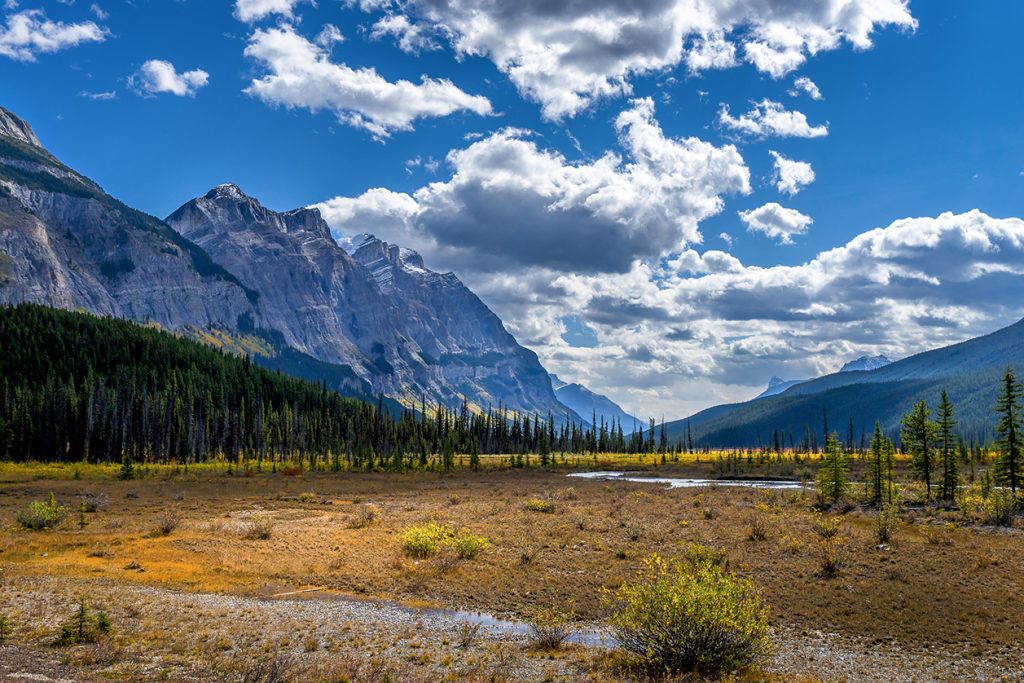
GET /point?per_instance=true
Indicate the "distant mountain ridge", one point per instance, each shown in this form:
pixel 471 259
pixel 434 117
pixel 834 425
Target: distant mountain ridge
pixel 970 371
pixel 593 406
pixel 865 364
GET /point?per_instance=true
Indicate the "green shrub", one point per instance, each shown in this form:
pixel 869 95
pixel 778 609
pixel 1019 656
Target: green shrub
pixel 826 527
pixel 549 628
pixel 467 546
pixel 886 523
pixel 539 505
pixel 5 629
pixel 424 540
pixel 831 557
pixel 42 514
pixel 692 615
pixel 84 626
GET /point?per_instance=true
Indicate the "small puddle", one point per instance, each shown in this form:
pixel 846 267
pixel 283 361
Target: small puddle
pixel 495 626
pixel 679 483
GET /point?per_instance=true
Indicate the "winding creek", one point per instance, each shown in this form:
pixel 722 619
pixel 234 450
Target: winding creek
pixel 680 483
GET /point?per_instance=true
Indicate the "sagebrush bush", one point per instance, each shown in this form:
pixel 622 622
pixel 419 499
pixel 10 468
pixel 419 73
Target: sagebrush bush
pixel 259 527
pixel 692 615
pixel 5 629
pixel 42 514
pixel 424 540
pixel 167 521
pixel 365 516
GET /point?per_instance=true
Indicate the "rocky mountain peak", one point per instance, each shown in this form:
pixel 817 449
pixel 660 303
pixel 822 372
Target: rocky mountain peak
pixel 383 259
pixel 866 363
pixel 15 127
pixel 226 204
pixel 228 191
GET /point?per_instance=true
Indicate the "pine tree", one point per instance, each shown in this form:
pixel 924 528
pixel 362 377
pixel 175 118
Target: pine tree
pixel 1008 465
pixel 874 471
pixel 948 448
pixel 889 464
pixel 918 437
pixel 832 475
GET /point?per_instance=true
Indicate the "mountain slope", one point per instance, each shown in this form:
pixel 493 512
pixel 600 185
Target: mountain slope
pixel 776 385
pixel 65 243
pixel 592 406
pixel 408 331
pixel 970 371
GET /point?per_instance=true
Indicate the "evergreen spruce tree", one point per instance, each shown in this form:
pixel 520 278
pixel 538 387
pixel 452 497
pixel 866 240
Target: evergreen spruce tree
pixel 918 437
pixel 947 448
pixel 1008 466
pixel 832 474
pixel 889 464
pixel 874 471
pixel 127 467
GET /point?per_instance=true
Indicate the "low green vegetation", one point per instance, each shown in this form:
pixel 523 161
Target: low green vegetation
pixel 539 505
pixel 42 514
pixel 424 540
pixel 690 615
pixel 84 626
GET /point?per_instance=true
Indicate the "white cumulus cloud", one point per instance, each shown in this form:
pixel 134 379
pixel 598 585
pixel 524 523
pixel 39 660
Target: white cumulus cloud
pixel 254 10
pixel 771 119
pixel 805 85
pixel 29 33
pixel 509 201
pixel 300 73
pixel 776 222
pixel 791 176
pixel 565 54
pixel 158 76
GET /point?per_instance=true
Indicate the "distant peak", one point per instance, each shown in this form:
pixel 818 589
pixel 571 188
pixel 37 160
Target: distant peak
pixel 15 127
pixel 775 381
pixel 227 191
pixel 866 363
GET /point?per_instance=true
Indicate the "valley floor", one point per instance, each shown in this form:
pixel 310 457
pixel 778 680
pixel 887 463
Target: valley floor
pixel 207 601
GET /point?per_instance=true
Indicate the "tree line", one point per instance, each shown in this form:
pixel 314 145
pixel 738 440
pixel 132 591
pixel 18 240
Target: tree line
pixel 76 387
pixel 935 449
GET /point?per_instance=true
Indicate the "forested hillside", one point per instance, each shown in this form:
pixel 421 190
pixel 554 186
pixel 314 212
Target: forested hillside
pixel 75 387
pixel 969 371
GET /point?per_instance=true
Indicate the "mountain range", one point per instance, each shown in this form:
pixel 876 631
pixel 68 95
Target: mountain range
pixel 593 407
pixel 777 385
pixel 225 269
pixel 970 371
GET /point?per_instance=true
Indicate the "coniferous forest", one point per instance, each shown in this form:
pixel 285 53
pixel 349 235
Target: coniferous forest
pixel 76 387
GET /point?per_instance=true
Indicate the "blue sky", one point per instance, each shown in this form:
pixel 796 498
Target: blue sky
pixel 922 121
